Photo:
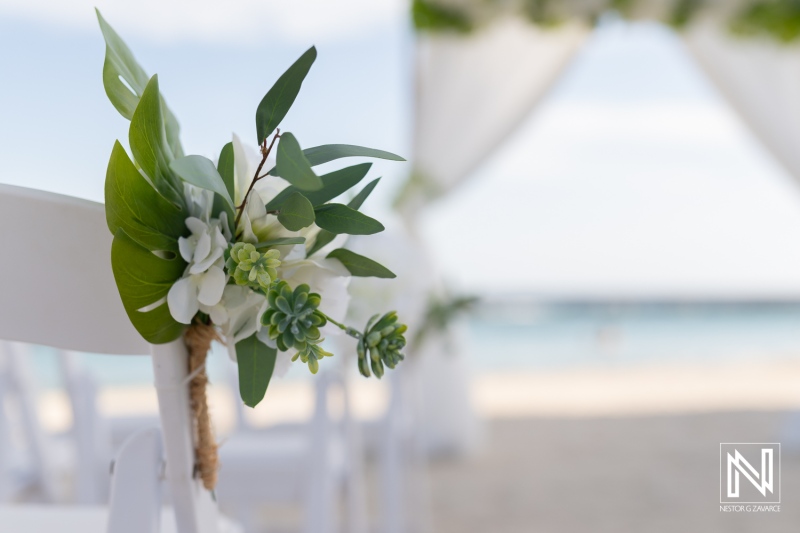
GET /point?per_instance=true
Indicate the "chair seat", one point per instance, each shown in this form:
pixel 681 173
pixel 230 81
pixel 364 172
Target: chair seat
pixel 77 519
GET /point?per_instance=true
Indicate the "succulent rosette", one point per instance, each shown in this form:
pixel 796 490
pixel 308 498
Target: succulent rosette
pixel 245 243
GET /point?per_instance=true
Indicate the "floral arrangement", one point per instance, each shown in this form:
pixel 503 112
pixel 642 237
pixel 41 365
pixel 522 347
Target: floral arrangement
pixel 235 245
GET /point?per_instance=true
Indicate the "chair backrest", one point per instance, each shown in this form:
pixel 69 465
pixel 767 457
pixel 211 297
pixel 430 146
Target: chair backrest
pixel 58 289
pixel 56 284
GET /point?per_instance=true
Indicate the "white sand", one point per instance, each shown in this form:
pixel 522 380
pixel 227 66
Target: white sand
pixel 605 450
pixel 684 388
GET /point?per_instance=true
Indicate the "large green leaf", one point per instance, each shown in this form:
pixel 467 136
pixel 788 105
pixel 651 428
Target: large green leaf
pixel 338 218
pixel 324 237
pixel 294 166
pixel 120 65
pixel 296 212
pixel 360 266
pixel 201 172
pixel 256 363
pixel 135 206
pixel 276 103
pixel 149 144
pixel 144 279
pixel 333 184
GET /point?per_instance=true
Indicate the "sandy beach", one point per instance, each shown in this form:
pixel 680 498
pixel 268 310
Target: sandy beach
pixel 628 449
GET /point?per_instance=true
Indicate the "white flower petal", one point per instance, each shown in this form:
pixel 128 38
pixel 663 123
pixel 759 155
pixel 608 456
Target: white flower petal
pixel 203 247
pixel 182 300
pixel 202 266
pixel 186 247
pixel 196 226
pixel 212 284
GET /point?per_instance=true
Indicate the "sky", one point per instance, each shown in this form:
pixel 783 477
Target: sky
pixel 633 178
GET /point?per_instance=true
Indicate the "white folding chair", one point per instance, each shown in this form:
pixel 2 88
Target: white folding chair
pixel 57 289
pixel 306 463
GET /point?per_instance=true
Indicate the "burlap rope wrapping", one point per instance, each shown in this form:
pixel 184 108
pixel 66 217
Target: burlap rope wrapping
pixel 198 338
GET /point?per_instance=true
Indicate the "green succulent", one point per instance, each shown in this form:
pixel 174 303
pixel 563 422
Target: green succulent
pixel 293 321
pixel 252 268
pixel 383 339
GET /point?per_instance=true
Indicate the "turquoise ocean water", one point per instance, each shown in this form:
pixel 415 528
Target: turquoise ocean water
pixel 559 336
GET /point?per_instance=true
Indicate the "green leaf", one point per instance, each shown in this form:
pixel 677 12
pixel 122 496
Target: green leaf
pixel 358 199
pixel 324 237
pixel 225 167
pixel 120 65
pixel 285 241
pixel 143 279
pixel 256 363
pixel 294 166
pixel 333 184
pixel 135 206
pixel 330 152
pixel 149 145
pixel 338 218
pixel 360 266
pixel 201 172
pixel 296 212
pixel 276 103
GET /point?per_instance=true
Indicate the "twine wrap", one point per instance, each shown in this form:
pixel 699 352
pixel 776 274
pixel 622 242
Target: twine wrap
pixel 198 338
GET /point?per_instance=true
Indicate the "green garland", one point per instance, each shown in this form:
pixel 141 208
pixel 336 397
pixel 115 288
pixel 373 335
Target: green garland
pixel 776 19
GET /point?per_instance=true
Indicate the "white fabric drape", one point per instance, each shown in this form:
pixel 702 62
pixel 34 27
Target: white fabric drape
pixel 760 78
pixel 472 91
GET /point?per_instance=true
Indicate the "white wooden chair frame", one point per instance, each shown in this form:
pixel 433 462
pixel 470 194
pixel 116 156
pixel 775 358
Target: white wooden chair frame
pixel 57 289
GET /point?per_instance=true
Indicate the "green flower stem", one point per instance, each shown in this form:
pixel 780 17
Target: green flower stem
pixel 350 331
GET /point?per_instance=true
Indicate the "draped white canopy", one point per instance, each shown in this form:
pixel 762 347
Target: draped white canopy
pixel 473 90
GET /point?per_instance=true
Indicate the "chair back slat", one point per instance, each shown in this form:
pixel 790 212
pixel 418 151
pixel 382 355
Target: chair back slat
pixel 56 284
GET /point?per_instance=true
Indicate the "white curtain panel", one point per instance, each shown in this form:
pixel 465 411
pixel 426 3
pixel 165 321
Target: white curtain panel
pixel 474 90
pixel 760 78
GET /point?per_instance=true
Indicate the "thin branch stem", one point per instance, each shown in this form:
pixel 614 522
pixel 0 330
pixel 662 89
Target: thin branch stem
pixel 265 151
pixel 350 331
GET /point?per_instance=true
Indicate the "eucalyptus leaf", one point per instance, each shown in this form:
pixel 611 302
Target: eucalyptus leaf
pixel 120 65
pixel 144 279
pixel 256 362
pixel 279 99
pixel 135 206
pixel 358 199
pixel 285 241
pixel 326 153
pixel 333 184
pixel 296 212
pixel 294 166
pixel 360 266
pixel 149 145
pixel 338 218
pixel 324 237
pixel 201 172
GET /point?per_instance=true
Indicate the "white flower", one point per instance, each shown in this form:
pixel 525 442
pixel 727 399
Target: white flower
pixel 204 279
pixel 255 225
pixel 238 313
